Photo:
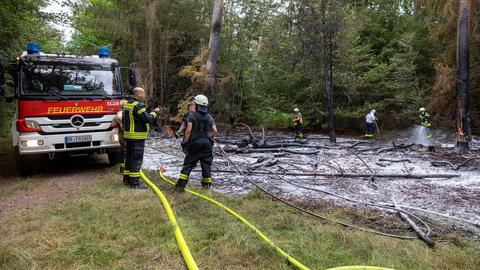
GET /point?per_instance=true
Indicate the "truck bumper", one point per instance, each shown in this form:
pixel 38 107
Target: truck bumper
pixel 35 143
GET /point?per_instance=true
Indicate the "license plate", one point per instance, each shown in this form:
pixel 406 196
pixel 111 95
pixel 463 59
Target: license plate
pixel 75 139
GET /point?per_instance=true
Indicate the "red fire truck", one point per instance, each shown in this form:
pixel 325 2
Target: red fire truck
pixel 65 105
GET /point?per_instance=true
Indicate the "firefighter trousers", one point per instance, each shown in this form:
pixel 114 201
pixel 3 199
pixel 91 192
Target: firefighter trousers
pixel 198 150
pixel 298 131
pixel 133 161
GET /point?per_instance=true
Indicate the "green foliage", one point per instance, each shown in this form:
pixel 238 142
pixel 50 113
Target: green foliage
pixel 22 21
pixel 271 118
pixel 271 55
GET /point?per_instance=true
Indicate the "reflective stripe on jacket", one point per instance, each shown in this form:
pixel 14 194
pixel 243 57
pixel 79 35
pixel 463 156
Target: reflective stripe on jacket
pixel 425 119
pixel 136 120
pixel 298 119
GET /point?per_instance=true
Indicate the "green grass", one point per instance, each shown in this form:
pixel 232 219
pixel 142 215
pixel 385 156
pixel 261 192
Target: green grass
pixel 111 227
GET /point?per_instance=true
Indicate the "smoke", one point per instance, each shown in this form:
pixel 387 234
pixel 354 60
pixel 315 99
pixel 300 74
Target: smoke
pixel 420 136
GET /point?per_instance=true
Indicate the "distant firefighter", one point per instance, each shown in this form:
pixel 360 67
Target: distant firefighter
pixel 370 120
pixel 298 123
pixel 425 118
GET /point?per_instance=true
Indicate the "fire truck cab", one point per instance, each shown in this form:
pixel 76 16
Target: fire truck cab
pixel 66 105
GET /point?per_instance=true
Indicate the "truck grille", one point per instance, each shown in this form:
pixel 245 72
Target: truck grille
pixel 67 117
pixel 69 125
pixel 77 145
pixel 62 124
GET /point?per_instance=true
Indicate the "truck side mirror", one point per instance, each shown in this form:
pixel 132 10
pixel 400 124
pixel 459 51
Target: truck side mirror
pixel 132 78
pixel 2 81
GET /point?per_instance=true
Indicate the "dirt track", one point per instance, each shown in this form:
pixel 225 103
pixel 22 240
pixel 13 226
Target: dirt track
pixel 57 179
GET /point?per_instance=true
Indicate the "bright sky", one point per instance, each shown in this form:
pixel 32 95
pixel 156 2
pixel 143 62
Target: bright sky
pixel 55 6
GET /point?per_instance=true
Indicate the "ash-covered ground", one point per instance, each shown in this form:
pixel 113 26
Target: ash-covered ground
pixel 457 197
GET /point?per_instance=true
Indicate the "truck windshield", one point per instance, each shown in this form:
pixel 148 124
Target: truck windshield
pixel 69 80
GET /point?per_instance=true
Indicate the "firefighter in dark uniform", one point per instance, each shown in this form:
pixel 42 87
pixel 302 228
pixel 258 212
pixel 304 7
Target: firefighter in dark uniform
pixel 201 129
pixel 136 124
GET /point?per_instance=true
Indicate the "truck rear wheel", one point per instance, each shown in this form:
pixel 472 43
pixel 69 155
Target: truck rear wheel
pixel 114 158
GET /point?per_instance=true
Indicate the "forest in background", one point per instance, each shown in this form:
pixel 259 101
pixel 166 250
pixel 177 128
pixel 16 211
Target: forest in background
pixel 392 56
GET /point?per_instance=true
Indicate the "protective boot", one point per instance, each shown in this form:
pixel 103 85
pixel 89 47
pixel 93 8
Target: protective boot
pixel 181 184
pixel 206 185
pixel 126 180
pixel 137 184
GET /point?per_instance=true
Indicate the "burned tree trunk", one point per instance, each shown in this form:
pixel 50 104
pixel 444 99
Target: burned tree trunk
pixel 213 48
pixel 463 132
pixel 327 60
pixel 151 22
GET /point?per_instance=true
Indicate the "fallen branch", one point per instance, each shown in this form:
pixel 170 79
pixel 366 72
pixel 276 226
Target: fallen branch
pixel 414 226
pixel 264 138
pixel 353 175
pixel 465 163
pixel 254 139
pixel 369 149
pixel 289 141
pixel 449 217
pixel 441 163
pixel 283 145
pixel 357 143
pixel 276 150
pixel 396 148
pixel 395 160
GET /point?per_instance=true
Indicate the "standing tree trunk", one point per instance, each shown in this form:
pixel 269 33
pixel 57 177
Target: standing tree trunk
pixel 213 48
pixel 463 133
pixel 327 61
pixel 151 22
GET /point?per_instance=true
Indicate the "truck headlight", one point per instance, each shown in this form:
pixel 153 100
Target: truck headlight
pixel 114 137
pixel 32 143
pixel 32 124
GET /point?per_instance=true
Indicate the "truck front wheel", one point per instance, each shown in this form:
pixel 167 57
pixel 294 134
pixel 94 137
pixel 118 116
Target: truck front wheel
pixel 25 165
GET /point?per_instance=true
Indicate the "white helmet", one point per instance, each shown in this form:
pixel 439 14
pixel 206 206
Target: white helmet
pixel 201 100
pixel 373 111
pixel 422 109
pixel 296 110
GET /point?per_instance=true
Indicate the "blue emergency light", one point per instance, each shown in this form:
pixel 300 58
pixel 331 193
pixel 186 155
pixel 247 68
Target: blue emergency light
pixel 33 48
pixel 103 52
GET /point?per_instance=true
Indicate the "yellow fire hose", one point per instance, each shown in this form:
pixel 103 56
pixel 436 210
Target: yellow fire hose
pixel 280 251
pixel 187 256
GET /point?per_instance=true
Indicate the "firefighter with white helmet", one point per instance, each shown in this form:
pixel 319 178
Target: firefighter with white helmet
pixel 198 143
pixel 298 123
pixel 370 120
pixel 425 118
